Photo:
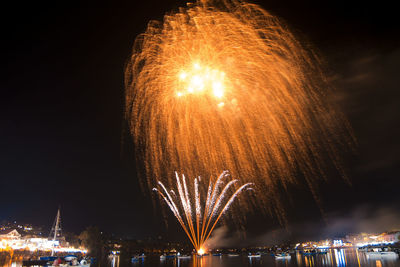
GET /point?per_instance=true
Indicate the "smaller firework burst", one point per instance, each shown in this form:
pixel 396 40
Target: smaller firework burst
pixel 198 219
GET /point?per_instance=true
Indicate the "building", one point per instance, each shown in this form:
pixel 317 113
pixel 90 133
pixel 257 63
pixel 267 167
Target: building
pixel 10 234
pixel 365 239
pixel 390 237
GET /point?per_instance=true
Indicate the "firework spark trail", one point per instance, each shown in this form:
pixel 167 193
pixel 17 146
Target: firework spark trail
pixel 219 199
pixel 224 84
pixel 215 190
pixel 193 221
pixel 226 207
pixel 183 194
pixel 198 205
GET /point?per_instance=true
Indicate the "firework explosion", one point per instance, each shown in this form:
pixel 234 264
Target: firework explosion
pixel 199 220
pixel 224 84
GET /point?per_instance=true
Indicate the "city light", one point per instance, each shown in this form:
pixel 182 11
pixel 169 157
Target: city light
pixel 37 244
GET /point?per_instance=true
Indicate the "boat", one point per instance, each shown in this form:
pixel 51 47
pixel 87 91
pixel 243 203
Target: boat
pixel 142 256
pixel 233 255
pixel 182 257
pixel 163 257
pixel 217 254
pixel 171 256
pixel 84 263
pixel 136 258
pixel 73 262
pixel 282 256
pixel 309 252
pixel 70 257
pixel 257 255
pixel 48 258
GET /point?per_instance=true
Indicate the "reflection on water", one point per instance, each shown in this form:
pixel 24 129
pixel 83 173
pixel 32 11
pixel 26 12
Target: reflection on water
pixel 334 258
pixel 340 257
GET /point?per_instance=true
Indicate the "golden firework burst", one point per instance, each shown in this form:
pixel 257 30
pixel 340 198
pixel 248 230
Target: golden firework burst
pixel 224 84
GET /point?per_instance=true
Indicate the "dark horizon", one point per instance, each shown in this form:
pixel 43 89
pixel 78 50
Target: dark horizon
pixel 63 141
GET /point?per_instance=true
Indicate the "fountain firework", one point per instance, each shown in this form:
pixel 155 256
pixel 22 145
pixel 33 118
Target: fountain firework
pixel 224 84
pixel 199 221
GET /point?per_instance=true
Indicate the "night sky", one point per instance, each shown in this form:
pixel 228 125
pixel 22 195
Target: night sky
pixel 62 139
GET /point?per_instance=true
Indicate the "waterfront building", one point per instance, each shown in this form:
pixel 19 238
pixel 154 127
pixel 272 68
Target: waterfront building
pixel 10 234
pixel 365 239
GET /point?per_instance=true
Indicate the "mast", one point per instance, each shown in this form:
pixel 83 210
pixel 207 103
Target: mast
pixel 57 225
pixel 56 228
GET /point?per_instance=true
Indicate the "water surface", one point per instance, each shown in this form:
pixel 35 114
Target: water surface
pixel 349 257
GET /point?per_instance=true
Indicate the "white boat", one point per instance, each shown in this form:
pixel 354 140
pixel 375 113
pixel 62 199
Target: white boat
pixel 184 257
pixel 163 257
pixel 233 255
pixel 254 255
pixel 283 256
pixel 84 263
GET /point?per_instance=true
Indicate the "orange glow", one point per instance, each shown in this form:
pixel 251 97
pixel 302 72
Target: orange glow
pixel 198 79
pixel 201 251
pixel 225 85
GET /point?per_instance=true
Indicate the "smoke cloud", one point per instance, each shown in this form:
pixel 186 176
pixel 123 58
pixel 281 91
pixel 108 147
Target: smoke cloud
pixel 363 219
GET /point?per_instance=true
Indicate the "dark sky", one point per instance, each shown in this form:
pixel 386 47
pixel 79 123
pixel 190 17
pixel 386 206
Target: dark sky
pixel 62 98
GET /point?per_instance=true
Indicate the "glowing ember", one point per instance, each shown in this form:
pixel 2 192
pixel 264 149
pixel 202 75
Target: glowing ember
pixel 198 219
